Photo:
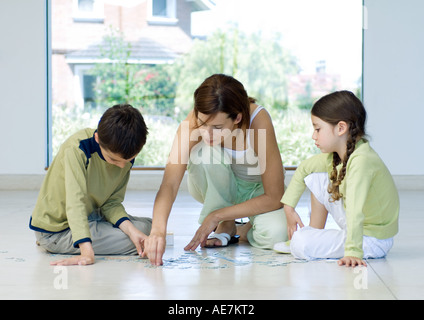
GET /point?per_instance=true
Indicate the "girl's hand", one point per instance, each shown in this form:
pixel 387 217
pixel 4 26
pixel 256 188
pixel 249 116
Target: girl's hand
pixel 293 220
pixel 351 261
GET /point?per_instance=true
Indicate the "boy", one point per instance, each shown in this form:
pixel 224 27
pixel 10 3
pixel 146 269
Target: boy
pixel 79 208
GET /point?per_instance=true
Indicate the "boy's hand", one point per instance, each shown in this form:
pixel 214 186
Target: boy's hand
pixel 136 236
pixel 86 257
pixel 77 260
pixel 351 261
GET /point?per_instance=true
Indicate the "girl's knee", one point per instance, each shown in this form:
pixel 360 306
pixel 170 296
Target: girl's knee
pixel 310 243
pixel 299 243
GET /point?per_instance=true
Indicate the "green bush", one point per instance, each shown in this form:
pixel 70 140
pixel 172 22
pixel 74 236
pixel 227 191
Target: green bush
pixel 164 93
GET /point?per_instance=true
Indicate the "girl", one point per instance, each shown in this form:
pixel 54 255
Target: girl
pixel 228 146
pixel 349 181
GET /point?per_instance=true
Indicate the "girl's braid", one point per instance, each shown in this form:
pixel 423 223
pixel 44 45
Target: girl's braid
pixel 336 179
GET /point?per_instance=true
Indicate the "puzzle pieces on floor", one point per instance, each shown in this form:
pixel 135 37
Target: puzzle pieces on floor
pixel 222 258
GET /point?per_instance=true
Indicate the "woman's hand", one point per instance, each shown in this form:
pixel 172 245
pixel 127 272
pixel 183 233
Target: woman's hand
pixel 293 220
pixel 154 248
pixel 201 235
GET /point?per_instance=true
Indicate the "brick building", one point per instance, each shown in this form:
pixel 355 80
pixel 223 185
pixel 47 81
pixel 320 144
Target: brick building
pixel 158 30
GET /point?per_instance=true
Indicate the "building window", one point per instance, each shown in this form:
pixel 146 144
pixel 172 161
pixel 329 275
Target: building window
pixel 159 8
pixel 287 54
pixel 84 87
pixel 88 11
pixel 86 5
pixel 163 12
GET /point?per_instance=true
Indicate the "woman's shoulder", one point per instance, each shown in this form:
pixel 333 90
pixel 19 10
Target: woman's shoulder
pixel 255 108
pixel 259 116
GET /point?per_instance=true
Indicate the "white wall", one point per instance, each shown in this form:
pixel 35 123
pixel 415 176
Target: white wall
pixel 394 82
pixel 23 86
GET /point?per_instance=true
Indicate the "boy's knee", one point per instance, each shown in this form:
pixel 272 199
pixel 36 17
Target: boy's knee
pixel 143 224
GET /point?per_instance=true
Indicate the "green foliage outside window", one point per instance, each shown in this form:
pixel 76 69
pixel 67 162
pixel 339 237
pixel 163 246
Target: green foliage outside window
pixel 164 93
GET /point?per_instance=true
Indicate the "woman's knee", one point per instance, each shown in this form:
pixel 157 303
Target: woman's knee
pixel 268 229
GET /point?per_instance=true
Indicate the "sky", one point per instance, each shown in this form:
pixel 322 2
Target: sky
pixel 313 30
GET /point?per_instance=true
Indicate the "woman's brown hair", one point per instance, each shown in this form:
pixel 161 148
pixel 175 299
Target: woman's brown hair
pixel 223 93
pixel 333 108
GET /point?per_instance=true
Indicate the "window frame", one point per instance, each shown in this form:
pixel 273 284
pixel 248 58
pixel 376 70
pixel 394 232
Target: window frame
pixel 95 16
pixel 169 19
pixel 79 71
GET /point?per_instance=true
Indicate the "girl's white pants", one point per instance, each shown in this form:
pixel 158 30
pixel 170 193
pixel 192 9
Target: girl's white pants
pixel 310 243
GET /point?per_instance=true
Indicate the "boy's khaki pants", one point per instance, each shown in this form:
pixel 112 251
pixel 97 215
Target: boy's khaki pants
pixel 106 239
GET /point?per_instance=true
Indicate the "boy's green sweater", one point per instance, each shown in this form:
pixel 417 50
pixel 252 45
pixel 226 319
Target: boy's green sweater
pixel 370 197
pixel 78 182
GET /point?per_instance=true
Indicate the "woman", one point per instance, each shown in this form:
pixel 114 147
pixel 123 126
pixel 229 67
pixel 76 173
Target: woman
pixel 228 146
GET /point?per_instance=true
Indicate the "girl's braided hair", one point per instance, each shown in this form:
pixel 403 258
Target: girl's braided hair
pixel 333 108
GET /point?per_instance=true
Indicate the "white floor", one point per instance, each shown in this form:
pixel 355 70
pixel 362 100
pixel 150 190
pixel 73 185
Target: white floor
pixel 237 272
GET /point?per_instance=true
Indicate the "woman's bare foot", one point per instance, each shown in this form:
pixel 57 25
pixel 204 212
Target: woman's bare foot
pixel 242 231
pixel 224 227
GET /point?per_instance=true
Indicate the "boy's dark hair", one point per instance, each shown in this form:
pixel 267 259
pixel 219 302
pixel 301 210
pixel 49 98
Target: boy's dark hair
pixel 122 130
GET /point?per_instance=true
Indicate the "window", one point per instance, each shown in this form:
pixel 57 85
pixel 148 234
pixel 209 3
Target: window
pixel 159 8
pixel 84 93
pixel 85 5
pixel 286 53
pixel 163 12
pixel 88 10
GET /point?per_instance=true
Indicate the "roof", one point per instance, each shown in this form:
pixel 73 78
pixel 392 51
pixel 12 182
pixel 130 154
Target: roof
pixel 143 51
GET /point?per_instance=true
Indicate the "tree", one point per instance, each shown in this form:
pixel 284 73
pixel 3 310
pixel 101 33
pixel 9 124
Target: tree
pixel 262 64
pixel 148 87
